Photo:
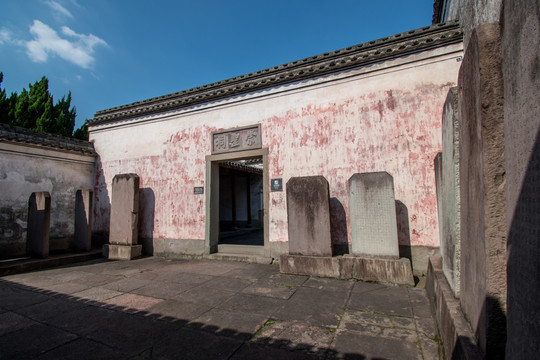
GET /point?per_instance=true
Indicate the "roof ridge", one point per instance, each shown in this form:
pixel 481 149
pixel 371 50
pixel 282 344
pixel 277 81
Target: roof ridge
pixel 331 61
pixel 24 135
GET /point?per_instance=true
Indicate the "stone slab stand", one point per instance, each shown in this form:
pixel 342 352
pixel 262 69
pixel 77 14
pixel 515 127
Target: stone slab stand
pixel 124 215
pixel 373 215
pixel 308 213
pixel 39 219
pixel 389 271
pixel 83 220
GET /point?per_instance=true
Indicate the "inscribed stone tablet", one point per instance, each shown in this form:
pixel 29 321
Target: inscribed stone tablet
pixel 373 215
pixel 124 209
pixel 308 213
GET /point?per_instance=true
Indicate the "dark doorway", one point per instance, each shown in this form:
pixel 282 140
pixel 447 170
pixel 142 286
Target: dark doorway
pixel 241 209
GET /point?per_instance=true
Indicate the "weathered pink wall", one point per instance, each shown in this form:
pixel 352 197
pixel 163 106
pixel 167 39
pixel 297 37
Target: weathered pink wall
pixel 388 122
pixel 393 131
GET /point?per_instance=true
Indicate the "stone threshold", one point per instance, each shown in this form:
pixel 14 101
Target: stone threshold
pixel 247 258
pixel 388 271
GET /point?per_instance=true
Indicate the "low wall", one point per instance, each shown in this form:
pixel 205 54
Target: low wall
pixel 37 162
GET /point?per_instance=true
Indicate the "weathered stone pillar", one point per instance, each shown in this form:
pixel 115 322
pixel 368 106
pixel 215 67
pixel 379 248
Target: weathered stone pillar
pixel 83 220
pixel 124 215
pixel 482 190
pixel 308 213
pixel 373 215
pixel 39 219
pixel 449 196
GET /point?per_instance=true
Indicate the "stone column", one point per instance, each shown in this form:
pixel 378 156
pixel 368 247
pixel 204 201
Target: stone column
pixel 308 213
pixel 482 190
pixel 124 215
pixel 83 220
pixel 39 218
pixel 373 215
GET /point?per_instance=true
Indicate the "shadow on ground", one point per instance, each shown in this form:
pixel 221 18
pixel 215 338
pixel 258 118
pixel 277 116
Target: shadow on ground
pixel 199 309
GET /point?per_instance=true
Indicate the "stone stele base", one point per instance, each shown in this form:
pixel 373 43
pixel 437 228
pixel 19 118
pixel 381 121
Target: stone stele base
pixel 457 335
pixel 121 252
pixel 389 271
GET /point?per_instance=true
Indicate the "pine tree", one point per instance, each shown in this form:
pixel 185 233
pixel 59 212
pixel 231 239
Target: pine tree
pixel 40 106
pixel 82 132
pixel 35 110
pixel 4 103
pixel 22 115
pixel 64 117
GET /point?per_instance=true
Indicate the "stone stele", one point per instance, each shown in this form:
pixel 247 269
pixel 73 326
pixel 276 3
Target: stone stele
pixel 124 215
pixel 39 219
pixel 308 213
pixel 373 215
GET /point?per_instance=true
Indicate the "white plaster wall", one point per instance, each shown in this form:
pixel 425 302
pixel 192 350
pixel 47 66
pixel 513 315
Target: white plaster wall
pixel 24 170
pixel 385 117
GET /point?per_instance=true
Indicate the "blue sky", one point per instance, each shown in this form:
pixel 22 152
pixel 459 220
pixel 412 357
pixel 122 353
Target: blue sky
pixel 113 52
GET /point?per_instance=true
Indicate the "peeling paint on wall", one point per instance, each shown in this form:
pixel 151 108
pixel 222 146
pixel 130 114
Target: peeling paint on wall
pixel 389 122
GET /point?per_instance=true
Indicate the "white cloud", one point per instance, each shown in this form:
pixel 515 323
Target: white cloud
pixel 78 49
pixel 5 36
pixel 59 10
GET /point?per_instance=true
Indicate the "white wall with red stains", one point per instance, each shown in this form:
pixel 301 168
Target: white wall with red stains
pixel 383 117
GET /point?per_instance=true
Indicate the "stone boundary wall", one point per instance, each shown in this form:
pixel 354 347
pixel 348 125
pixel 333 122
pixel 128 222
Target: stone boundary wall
pixel 36 162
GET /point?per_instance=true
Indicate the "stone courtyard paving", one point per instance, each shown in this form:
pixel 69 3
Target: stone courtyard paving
pixel 155 308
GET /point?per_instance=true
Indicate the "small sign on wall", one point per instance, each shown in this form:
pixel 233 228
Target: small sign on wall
pixel 276 184
pixel 198 190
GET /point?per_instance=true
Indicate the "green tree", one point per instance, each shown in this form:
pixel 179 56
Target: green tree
pixel 82 132
pixel 35 110
pixel 40 106
pixel 64 117
pixel 22 115
pixel 4 103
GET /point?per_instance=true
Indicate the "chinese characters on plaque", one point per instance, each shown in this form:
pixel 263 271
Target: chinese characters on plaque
pixel 239 139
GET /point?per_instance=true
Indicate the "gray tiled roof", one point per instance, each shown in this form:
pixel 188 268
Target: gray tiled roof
pixel 359 55
pixel 25 136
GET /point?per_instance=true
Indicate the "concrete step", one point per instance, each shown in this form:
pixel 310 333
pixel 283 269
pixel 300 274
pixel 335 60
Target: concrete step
pixel 255 259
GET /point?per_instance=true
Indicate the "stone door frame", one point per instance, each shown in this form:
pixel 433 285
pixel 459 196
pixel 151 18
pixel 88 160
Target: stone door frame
pixel 211 237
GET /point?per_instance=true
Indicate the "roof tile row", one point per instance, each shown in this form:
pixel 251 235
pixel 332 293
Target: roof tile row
pixel 342 59
pixel 21 135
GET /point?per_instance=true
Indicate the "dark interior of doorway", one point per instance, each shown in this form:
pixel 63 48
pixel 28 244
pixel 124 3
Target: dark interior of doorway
pixel 241 202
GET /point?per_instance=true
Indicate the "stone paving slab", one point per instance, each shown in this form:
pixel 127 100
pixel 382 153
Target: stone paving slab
pixel 317 307
pixel 175 309
pixel 82 349
pixel 252 304
pixel 10 321
pixel 154 308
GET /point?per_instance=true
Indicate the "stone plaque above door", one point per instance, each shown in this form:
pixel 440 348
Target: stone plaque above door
pixel 238 139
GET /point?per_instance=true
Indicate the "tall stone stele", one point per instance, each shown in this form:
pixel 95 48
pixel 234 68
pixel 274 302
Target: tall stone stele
pixel 124 215
pixel 39 219
pixel 308 213
pixel 83 220
pixel 373 215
